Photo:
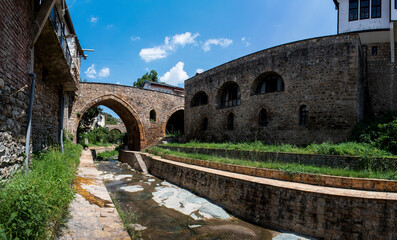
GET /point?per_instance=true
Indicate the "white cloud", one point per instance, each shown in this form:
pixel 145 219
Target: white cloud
pixel 94 19
pixel 175 75
pixel 199 70
pixel 135 38
pixel 223 42
pixel 91 72
pixel 118 83
pixel 105 72
pixel 171 43
pixel 244 40
pixel 150 54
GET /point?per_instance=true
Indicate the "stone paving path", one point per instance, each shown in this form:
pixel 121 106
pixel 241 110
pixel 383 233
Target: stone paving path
pixel 92 213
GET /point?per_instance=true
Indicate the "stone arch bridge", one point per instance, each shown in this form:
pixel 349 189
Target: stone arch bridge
pixel 133 105
pixel 119 127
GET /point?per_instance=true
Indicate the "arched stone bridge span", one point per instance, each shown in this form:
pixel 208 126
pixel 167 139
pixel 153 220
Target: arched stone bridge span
pixel 120 127
pixel 133 105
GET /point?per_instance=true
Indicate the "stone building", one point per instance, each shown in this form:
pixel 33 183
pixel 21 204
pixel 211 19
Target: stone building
pixel 37 44
pixel 162 87
pixel 308 91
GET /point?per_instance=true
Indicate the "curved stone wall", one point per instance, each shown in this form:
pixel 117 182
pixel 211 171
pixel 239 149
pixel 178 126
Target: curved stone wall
pixel 325 74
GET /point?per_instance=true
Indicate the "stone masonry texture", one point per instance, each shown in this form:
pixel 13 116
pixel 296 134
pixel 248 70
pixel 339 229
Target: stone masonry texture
pixel 133 105
pixel 320 212
pixel 325 74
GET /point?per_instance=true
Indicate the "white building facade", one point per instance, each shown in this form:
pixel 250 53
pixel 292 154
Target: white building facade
pixel 374 20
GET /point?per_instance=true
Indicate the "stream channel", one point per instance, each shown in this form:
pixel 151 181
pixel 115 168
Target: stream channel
pixel 161 210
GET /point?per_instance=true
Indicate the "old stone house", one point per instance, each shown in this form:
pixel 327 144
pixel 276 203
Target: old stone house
pixel 302 92
pixel 37 44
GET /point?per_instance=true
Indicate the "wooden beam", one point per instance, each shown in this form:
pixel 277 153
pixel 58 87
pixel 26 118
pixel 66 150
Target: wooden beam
pixel 42 17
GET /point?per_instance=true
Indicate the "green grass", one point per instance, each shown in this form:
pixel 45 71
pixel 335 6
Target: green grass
pixel 346 149
pixel 291 168
pixel 128 217
pixel 99 144
pixel 107 154
pixel 34 204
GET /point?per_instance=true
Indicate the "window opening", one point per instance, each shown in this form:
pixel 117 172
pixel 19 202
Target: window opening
pixel 230 96
pixel 271 83
pixel 303 115
pixel 204 125
pixel 152 116
pixel 376 9
pixel 263 118
pixel 353 10
pixel 364 9
pixel 375 50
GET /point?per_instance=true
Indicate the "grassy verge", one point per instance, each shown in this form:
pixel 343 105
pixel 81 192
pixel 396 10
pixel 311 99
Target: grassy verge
pixel 100 145
pixel 34 204
pixel 107 154
pixel 346 149
pixel 287 167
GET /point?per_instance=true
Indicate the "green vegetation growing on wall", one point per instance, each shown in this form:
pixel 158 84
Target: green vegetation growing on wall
pixel 287 167
pixel 107 154
pixel 381 133
pixel 34 204
pixel 345 149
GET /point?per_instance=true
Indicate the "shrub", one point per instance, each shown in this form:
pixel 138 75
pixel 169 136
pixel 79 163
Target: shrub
pixel 33 204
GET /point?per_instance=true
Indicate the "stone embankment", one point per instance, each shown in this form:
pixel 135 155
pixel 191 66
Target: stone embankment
pixel 316 211
pixel 92 213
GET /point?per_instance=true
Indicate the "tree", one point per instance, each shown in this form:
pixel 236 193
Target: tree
pixel 151 77
pixel 88 118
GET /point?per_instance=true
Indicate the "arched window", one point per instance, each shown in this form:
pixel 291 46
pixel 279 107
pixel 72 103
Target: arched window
pixel 263 118
pixel 303 115
pixel 269 82
pixel 230 95
pixel 200 98
pixel 204 124
pixel 152 116
pixel 230 121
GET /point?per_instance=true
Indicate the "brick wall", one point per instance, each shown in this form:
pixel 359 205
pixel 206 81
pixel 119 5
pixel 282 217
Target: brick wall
pixel 322 73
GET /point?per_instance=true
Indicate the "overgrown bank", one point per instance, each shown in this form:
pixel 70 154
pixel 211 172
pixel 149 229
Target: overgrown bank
pixel 34 204
pixel 292 168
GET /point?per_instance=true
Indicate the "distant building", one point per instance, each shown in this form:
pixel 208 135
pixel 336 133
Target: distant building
pixel 162 87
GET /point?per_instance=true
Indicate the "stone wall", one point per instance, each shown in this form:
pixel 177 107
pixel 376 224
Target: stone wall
pixel 382 76
pixel 320 212
pixel 133 106
pixel 15 41
pixel 322 73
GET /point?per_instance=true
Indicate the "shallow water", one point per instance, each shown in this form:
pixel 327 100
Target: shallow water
pixel 168 212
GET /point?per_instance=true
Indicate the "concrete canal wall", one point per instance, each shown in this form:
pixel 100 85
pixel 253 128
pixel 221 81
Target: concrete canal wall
pixel 321 212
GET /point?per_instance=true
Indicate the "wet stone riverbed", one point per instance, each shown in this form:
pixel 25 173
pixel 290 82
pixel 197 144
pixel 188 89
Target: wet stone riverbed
pixel 161 210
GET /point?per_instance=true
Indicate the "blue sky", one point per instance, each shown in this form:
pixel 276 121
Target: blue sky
pixel 178 38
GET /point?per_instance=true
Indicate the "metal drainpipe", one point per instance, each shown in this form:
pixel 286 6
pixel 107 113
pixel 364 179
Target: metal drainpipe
pixel 62 110
pixel 29 131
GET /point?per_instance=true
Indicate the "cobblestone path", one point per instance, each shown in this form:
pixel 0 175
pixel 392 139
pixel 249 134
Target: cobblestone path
pixel 92 213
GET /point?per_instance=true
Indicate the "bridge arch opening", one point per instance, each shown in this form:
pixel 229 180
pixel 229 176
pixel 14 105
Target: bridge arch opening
pixel 175 123
pixel 132 123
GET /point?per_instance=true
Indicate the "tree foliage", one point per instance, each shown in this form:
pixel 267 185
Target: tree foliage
pixel 151 77
pixel 88 119
pixel 110 119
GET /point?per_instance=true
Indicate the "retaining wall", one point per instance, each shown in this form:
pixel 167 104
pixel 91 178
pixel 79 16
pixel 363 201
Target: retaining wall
pixel 320 160
pixel 321 212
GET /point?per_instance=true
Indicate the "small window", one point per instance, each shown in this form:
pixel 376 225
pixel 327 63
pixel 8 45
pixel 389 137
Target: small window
pixel 152 116
pixel 376 9
pixel 230 121
pixel 200 98
pixel 303 115
pixel 364 9
pixel 395 4
pixel 269 82
pixel 263 118
pixel 230 95
pixel 204 124
pixel 374 50
pixel 353 10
